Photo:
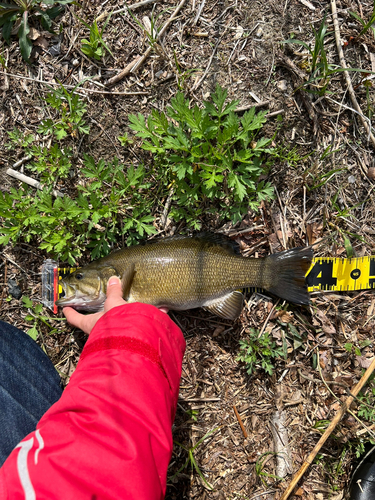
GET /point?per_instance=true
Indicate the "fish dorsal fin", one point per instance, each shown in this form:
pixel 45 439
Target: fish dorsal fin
pixel 228 307
pixel 127 280
pixel 221 240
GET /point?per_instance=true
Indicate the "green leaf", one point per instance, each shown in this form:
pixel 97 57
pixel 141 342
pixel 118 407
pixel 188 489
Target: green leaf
pixel 33 333
pixel 27 302
pixel 298 42
pixel 25 43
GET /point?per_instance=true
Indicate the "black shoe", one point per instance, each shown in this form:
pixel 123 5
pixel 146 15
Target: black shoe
pixel 362 484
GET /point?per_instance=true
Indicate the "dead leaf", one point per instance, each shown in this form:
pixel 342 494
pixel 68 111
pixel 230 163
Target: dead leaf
pixel 33 34
pixel 41 41
pixel 284 316
pixel 363 361
pixel 218 330
pixel 325 323
pixel 313 232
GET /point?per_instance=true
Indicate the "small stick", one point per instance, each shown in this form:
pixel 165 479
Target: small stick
pixel 93 91
pixel 196 85
pixel 249 106
pixel 30 181
pixel 345 406
pixel 134 6
pixel 244 432
pixel 5 283
pixel 353 98
pixel 141 60
pixel 199 12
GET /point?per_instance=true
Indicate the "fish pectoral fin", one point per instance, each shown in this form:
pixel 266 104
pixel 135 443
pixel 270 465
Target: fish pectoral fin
pixel 127 280
pixel 228 307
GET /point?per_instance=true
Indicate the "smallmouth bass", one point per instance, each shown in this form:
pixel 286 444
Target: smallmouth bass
pixel 186 272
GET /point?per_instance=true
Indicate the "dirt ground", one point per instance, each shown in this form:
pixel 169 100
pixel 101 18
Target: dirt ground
pixel 238 45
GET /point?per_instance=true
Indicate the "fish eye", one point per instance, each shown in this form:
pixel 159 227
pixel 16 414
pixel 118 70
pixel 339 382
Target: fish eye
pixel 79 276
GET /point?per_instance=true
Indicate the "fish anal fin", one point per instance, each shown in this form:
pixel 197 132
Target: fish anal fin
pixel 127 280
pixel 228 307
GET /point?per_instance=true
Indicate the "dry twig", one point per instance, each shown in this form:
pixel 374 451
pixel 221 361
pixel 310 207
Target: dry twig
pixel 329 430
pixel 346 74
pixel 140 60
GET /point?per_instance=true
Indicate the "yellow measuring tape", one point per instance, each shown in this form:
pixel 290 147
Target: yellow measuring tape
pixel 341 275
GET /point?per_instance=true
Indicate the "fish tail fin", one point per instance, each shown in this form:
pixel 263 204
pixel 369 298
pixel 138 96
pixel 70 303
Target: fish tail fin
pixel 287 272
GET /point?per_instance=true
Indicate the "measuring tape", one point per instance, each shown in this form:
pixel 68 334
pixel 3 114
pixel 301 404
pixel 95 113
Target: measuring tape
pixel 326 273
pixel 341 275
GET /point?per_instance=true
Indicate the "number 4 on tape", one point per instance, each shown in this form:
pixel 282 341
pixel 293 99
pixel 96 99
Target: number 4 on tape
pixel 330 273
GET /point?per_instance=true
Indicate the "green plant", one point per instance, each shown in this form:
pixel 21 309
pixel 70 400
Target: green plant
pixel 259 468
pixel 94 47
pixel 191 459
pixel 366 401
pixel 17 15
pixel 71 109
pixel 3 61
pixel 125 140
pixel 366 26
pixel 36 317
pixel 150 31
pixel 192 414
pixel 181 74
pixel 258 351
pixel 110 204
pixel 320 70
pixel 51 164
pixel 210 159
pixel 19 139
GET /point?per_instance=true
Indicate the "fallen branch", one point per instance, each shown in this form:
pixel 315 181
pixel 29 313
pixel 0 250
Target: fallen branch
pixel 353 98
pixel 135 64
pixel 281 443
pixel 345 406
pixel 30 181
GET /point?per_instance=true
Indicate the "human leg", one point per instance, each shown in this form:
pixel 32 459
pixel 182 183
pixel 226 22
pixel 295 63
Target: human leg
pixel 29 386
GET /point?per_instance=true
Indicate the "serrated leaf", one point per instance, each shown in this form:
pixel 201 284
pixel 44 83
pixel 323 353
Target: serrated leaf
pixel 33 333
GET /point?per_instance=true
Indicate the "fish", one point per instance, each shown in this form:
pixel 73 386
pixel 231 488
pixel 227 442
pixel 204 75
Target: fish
pixel 182 272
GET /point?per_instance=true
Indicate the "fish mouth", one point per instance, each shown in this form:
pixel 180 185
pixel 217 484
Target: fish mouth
pixel 80 301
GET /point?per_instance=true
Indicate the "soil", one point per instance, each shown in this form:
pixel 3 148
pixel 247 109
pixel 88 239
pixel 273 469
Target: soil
pixel 324 197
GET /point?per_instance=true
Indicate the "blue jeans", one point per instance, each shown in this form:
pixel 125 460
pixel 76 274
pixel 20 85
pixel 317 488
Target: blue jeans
pixel 29 386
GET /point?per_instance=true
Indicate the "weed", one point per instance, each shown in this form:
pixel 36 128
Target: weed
pixel 19 139
pixel 19 13
pixel 125 140
pixel 3 61
pixel 366 26
pixel 366 401
pixel 51 164
pixel 207 155
pixel 321 71
pixel 191 459
pixel 150 31
pixel 71 109
pixel 182 75
pixel 259 352
pixel 95 47
pixel 259 468
pixel 95 219
pixel 36 317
